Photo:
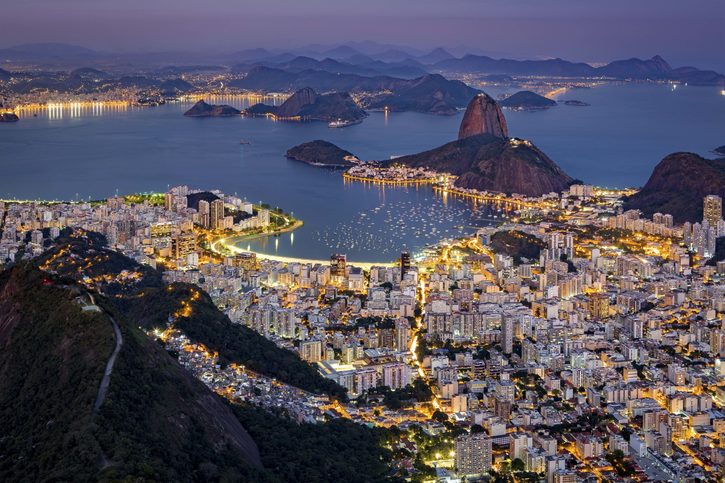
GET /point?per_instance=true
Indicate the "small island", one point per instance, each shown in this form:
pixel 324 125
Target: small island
pixel 574 102
pixel 323 154
pixel 202 109
pixel 308 105
pixel 527 100
pixel 9 117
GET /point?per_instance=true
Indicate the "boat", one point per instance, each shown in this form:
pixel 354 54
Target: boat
pixel 343 123
pixel 244 141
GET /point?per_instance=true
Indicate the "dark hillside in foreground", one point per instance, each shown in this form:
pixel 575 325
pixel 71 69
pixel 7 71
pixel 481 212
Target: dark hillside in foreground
pixel 156 422
pixel 148 301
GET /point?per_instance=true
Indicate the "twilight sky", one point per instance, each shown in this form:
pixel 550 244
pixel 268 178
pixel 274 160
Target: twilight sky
pixel 683 31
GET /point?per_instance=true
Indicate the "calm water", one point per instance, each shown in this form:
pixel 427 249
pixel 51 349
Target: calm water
pixel 65 153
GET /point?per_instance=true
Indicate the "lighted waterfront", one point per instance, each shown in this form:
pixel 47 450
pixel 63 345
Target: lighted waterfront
pixel 93 151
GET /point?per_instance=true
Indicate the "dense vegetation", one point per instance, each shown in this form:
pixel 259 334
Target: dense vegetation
pixel 335 451
pixel 46 396
pixel 156 423
pixel 517 244
pixel 418 391
pixel 149 302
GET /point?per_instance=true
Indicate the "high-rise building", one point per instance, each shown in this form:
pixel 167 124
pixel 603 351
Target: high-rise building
pixel 396 375
pixel 599 306
pixel 365 378
pixel 589 446
pixel 518 442
pixel 216 215
pixel 338 262
pixel 712 209
pixel 402 334
pixel 311 350
pixel 386 338
pixel 676 374
pixel 473 454
pixel 204 213
pixel 169 202
pixel 182 245
pixel 404 263
pixel 507 334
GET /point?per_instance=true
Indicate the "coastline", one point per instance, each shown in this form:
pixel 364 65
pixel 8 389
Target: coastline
pixel 229 244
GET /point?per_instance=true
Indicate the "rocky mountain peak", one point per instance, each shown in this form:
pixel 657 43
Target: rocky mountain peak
pixel 483 116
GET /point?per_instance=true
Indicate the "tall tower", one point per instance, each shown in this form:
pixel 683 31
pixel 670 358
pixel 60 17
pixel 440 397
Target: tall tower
pixel 204 213
pixel 507 334
pixel 473 454
pixel 338 264
pixel 712 209
pixel 402 334
pixel 216 215
pixel 404 263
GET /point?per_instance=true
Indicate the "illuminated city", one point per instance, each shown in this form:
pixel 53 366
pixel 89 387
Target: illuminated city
pixel 300 258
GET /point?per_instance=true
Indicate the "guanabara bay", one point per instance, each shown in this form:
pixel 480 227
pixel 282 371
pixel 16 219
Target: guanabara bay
pixel 312 242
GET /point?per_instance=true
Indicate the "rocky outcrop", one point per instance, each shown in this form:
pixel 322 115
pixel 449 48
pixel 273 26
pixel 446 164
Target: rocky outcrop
pixel 294 105
pixel 483 116
pixel 202 109
pixel 486 159
pixel 322 153
pixel 307 105
pixel 489 163
pixel 678 185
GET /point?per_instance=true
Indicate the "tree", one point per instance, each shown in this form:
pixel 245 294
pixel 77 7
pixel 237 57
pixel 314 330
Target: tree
pixel 439 416
pixel 517 465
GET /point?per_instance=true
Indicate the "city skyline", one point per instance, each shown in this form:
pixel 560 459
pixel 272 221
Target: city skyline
pixel 297 242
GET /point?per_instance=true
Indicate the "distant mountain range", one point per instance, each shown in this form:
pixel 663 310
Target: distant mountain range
pixel 358 65
pixel 363 58
pixel 655 68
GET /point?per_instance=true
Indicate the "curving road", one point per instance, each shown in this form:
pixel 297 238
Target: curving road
pixel 103 389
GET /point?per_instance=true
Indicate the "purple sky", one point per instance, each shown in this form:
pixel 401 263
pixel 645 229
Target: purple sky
pixel 683 31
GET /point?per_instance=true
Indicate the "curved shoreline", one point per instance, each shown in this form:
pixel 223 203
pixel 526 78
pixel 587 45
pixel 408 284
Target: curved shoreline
pixel 392 182
pixel 229 244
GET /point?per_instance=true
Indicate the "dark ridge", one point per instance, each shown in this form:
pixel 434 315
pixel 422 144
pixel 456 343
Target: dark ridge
pixel 678 185
pixel 156 423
